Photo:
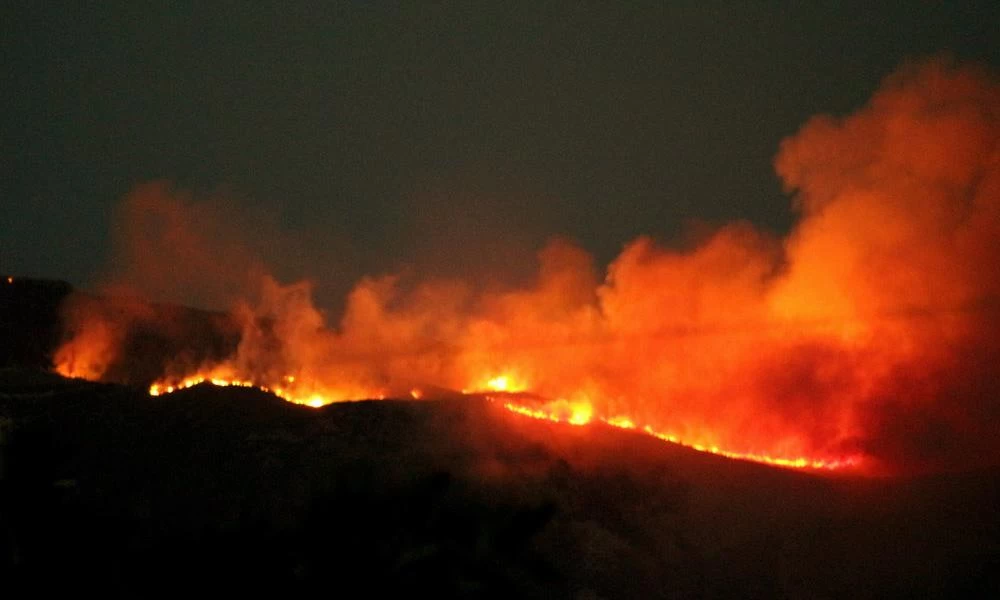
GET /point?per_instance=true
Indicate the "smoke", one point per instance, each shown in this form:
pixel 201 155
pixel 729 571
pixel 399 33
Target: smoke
pixel 176 247
pixel 95 332
pixel 171 246
pixel 898 244
pixel 868 329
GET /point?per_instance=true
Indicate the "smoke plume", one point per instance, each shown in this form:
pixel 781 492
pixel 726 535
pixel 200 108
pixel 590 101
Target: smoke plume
pixel 870 328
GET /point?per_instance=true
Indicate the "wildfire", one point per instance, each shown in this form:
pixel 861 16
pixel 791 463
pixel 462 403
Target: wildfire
pixel 578 412
pixel 872 322
pixel 560 411
pixel 288 388
pixel 582 414
pixel 500 383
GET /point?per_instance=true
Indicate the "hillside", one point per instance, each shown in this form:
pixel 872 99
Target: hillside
pixel 232 491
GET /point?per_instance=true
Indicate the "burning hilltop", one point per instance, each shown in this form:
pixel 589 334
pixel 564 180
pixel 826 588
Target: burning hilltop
pixel 865 334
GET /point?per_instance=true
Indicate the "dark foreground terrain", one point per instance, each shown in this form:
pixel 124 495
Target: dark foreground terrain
pixel 233 492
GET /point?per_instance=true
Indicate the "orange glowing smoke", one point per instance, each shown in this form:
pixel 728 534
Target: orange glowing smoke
pixel 95 332
pixel 88 354
pixel 869 331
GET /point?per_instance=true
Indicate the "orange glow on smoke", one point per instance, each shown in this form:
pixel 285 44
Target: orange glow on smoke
pixel 86 356
pixel 868 333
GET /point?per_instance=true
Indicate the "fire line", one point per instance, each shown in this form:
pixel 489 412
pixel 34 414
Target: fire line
pixel 569 413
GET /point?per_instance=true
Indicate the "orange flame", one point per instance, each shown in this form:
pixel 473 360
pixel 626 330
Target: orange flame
pixel 288 388
pixel 579 412
pixel 582 414
pixel 505 382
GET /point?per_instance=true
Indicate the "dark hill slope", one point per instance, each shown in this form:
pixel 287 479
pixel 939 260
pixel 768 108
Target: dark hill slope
pixel 231 491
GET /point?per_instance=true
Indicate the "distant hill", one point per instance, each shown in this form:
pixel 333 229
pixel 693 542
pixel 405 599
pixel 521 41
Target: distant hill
pixel 33 325
pixel 29 319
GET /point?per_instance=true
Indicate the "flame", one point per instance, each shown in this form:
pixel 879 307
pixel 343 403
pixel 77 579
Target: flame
pixel 86 355
pixel 558 411
pixel 10 279
pixel 503 382
pixel 288 388
pixel 582 414
pixel 577 412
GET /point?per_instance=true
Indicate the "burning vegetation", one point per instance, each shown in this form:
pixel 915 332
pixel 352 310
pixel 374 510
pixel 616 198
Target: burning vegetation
pixel 864 337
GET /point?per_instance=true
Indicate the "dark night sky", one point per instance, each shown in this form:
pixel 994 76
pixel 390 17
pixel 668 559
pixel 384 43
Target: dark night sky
pixel 409 135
